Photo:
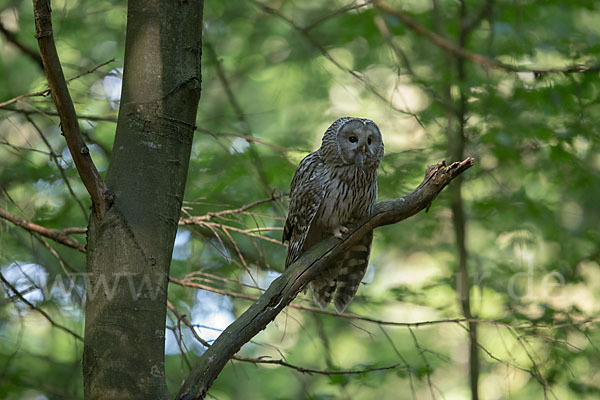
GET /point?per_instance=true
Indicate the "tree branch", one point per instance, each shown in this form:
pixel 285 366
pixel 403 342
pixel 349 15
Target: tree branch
pixel 257 163
pixel 311 371
pixel 54 157
pixel 52 113
pixel 216 214
pixel 285 288
pixel 309 38
pixel 33 307
pixel 282 150
pixel 262 360
pixel 45 92
pixel 64 105
pixel 461 52
pixel 54 234
pixel 186 282
pixel 12 38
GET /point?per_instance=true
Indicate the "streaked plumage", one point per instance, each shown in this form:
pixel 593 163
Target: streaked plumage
pixel 333 187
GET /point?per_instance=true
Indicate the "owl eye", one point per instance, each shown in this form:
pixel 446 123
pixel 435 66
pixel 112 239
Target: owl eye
pixel 369 141
pixel 353 139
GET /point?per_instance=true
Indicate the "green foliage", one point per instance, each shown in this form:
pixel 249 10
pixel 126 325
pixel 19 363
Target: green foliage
pixel 531 201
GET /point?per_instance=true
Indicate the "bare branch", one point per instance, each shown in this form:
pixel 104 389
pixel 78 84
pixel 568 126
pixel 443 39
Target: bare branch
pixel 305 33
pixel 33 307
pixel 50 112
pixel 186 282
pixel 339 11
pixel 459 51
pixel 45 92
pixel 257 163
pixel 319 371
pixel 248 232
pixel 285 288
pixel 64 105
pixel 401 357
pixel 31 53
pixel 384 30
pixel 211 215
pixel 58 236
pixel 60 168
pixel 282 150
pixel 23 96
pixel 182 318
pixel 91 70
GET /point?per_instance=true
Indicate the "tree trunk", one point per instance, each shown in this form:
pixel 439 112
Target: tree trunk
pixel 129 250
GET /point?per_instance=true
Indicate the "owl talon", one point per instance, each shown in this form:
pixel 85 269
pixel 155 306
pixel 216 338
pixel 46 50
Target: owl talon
pixel 340 231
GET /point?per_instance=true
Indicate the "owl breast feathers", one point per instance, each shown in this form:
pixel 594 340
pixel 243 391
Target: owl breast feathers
pixel 334 187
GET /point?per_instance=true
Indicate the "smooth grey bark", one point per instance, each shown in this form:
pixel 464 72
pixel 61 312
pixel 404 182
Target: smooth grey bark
pixel 129 250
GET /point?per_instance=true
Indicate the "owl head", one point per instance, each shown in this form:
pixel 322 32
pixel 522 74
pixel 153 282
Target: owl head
pixel 353 141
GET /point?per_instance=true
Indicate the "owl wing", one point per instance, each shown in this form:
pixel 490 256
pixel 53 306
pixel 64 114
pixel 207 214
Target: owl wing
pixel 306 195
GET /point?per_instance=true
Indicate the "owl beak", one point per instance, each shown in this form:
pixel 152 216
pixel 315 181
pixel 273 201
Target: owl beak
pixel 364 149
pixel 359 159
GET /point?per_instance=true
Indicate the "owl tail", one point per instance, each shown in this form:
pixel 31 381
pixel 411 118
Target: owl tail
pixel 351 272
pixel 323 292
pixel 324 285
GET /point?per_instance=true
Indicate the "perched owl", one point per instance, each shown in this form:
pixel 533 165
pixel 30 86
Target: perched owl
pixel 334 187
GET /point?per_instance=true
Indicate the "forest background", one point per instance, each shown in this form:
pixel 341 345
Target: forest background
pixel 510 251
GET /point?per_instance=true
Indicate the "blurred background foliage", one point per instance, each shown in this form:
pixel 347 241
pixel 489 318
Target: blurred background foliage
pixel 275 75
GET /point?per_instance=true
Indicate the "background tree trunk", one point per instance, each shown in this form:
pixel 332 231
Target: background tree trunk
pixel 129 250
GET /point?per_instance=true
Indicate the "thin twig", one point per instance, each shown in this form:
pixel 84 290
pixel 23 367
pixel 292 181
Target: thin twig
pixel 208 288
pixel 58 236
pixel 283 363
pixel 52 113
pixel 182 318
pixel 257 163
pixel 67 269
pixel 428 369
pixel 46 92
pixel 211 215
pixel 23 96
pixel 484 61
pixel 60 168
pixel 304 32
pixel 401 357
pixel 249 138
pixel 319 371
pixel 31 53
pixel 207 277
pixel 187 282
pixel 223 227
pixel 339 11
pixel 91 70
pixel 42 312
pixel 384 30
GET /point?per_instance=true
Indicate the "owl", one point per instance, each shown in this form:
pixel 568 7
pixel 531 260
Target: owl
pixel 332 188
